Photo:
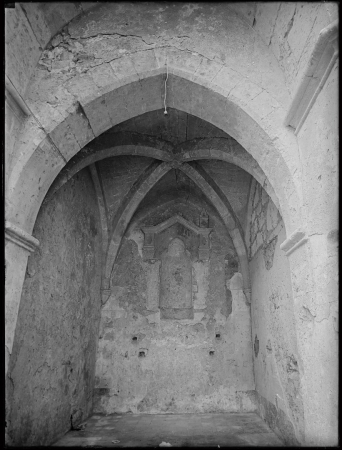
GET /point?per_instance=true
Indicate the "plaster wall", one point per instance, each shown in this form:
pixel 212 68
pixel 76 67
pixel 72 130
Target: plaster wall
pixel 318 143
pixel 290 30
pixel 88 59
pixel 89 55
pixel 52 366
pixel 319 316
pixel 281 26
pixel 275 354
pixel 13 123
pixel 88 62
pixel 175 372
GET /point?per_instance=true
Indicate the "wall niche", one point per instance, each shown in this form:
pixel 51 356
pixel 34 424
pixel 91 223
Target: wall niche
pixel 176 243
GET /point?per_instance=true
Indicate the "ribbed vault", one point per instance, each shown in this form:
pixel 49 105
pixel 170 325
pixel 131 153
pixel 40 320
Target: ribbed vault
pixel 172 143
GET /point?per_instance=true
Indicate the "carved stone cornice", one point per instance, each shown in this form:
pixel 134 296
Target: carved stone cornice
pixel 14 99
pixel 150 232
pixel 20 238
pixel 295 240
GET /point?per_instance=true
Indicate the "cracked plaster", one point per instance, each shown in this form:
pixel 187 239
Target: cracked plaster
pixel 282 31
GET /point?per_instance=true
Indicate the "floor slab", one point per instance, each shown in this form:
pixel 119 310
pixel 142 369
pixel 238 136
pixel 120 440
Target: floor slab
pixel 179 430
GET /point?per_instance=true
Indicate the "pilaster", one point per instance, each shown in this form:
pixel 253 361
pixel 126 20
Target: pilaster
pixel 18 246
pixel 316 338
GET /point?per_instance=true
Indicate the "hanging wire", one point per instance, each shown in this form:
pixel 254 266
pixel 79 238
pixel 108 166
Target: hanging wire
pixel 167 76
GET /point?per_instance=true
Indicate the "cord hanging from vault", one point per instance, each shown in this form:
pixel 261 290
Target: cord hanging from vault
pixel 167 76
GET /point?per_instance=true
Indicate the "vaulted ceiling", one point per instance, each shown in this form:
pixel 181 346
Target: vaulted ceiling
pixel 173 131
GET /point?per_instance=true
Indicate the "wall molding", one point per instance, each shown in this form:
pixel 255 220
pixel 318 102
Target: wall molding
pixel 320 64
pixel 294 241
pixel 150 232
pixel 15 100
pixel 19 237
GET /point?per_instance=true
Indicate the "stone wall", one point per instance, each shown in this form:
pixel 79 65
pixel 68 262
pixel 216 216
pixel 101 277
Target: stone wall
pixel 51 373
pixel 290 30
pixel 153 365
pixel 319 147
pixel 275 353
pixel 14 120
pixel 75 77
pixel 278 25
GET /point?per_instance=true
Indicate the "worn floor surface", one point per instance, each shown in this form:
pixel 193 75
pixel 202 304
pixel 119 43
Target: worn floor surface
pixel 180 430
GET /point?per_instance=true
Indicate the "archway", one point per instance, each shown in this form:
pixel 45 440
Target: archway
pixel 96 73
pixel 76 129
pixel 228 113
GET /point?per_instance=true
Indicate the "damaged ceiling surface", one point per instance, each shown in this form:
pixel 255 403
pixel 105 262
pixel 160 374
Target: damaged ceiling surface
pixel 171 225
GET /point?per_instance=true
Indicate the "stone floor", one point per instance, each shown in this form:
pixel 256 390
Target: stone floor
pixel 179 430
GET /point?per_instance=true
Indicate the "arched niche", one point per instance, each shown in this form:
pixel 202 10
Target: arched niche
pixel 175 262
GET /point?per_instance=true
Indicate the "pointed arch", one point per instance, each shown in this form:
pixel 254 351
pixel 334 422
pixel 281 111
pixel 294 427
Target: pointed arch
pixel 44 156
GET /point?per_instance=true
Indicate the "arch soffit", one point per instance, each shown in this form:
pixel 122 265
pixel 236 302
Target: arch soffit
pixel 217 106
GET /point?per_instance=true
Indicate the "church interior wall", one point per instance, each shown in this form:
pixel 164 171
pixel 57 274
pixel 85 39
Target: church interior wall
pixel 318 140
pixel 275 353
pixel 199 364
pixel 53 361
pixel 263 339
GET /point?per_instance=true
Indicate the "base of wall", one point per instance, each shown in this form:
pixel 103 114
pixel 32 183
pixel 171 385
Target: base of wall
pixel 105 402
pixel 277 420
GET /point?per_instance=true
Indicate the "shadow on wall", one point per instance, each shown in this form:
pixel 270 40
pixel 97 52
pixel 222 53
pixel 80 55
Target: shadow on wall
pixel 52 365
pixel 276 370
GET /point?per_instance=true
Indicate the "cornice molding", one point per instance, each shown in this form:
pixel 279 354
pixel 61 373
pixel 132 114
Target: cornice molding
pixel 171 221
pixel 294 241
pixel 150 232
pixel 19 237
pixel 320 64
pixel 15 100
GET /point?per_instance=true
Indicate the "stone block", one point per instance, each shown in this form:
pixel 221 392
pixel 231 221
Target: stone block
pixel 82 87
pixel 65 140
pixel 97 115
pixel 227 78
pixel 184 61
pixel 144 62
pixel 246 91
pixel 207 70
pixel 123 67
pixel 103 75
